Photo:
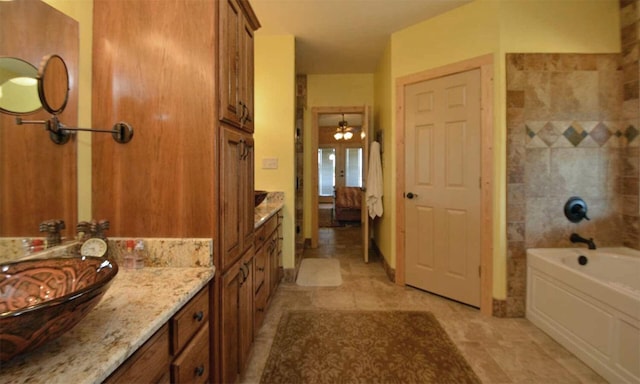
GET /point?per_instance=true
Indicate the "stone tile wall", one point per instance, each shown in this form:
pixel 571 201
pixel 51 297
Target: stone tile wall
pixel 629 34
pixel 565 138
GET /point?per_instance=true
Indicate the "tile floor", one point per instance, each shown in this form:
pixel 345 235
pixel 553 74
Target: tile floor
pixel 498 350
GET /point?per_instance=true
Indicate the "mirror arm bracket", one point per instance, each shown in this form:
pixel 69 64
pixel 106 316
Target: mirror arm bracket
pixel 121 132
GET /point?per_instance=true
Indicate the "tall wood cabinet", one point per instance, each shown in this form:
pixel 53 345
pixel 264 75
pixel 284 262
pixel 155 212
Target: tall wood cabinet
pixel 181 73
pixel 236 26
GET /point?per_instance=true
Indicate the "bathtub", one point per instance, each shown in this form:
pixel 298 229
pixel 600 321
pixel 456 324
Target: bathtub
pixel 593 310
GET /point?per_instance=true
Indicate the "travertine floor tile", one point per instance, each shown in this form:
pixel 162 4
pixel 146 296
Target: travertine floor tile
pixel 499 350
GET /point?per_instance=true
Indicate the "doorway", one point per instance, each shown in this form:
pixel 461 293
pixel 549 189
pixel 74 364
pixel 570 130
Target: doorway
pixel 484 65
pixel 341 162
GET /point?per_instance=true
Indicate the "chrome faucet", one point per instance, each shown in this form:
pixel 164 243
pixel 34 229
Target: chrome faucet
pixel 575 238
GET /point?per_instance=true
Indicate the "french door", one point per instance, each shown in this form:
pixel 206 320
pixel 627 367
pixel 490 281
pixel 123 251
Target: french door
pixel 339 165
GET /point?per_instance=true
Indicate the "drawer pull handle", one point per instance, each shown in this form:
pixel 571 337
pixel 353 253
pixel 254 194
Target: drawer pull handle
pixel 199 371
pixel 198 316
pixel 260 269
pixel 260 309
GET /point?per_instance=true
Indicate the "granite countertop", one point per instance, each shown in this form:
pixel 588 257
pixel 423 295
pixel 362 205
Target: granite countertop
pixel 272 204
pixel 135 306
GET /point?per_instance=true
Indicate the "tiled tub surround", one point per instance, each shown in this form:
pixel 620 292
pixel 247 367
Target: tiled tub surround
pixel 136 305
pixel 630 44
pixel 565 138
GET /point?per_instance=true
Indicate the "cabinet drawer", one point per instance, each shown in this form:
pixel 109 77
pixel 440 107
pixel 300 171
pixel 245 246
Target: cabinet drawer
pixel 192 365
pixel 265 230
pixel 149 364
pixel 190 318
pixel 261 267
pixel 260 236
pixel 271 225
pixel 260 306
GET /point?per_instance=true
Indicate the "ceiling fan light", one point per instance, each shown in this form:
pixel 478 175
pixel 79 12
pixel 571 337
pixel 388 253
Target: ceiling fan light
pixel 338 135
pixel 348 135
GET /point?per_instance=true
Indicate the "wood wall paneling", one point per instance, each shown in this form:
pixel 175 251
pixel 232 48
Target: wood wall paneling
pixel 162 82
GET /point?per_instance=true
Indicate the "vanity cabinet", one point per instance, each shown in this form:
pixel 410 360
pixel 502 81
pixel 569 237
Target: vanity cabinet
pixel 267 269
pixel 177 353
pixel 276 270
pixel 236 64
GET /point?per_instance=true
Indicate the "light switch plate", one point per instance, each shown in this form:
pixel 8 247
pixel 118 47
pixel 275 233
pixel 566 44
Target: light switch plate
pixel 270 163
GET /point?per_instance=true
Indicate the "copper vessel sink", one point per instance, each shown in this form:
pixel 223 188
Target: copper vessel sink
pixel 259 197
pixel 40 299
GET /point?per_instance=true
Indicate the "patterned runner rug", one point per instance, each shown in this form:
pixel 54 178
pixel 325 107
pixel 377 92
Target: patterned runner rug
pixel 364 347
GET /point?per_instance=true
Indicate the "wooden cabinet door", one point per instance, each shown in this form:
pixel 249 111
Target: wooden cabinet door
pixel 236 194
pixel 231 206
pixel 236 317
pixel 247 195
pixel 230 323
pixel 229 42
pixel 274 256
pixel 246 308
pixel 236 66
pixel 246 79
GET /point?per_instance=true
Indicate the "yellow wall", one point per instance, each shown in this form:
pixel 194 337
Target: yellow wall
pixel 497 27
pixel 82 11
pixel 383 116
pixel 341 90
pixel 275 125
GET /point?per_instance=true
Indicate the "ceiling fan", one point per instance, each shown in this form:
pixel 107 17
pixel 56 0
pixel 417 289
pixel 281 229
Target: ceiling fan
pixel 344 131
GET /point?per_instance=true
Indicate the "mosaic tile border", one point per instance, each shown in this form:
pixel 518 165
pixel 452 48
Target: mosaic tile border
pixel 582 134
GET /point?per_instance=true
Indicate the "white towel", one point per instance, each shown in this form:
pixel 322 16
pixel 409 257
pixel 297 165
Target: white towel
pixel 374 182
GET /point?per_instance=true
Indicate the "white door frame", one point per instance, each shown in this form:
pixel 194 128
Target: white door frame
pixel 315 112
pixel 485 64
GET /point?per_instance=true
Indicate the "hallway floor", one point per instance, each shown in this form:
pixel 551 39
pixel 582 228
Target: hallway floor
pixel 498 350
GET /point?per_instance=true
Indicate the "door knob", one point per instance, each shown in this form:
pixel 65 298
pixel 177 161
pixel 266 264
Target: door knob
pixel 411 195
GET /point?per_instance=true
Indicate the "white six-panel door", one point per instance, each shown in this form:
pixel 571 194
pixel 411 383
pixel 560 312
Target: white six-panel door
pixel 443 194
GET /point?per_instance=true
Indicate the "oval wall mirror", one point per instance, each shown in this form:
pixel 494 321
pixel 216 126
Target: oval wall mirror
pixel 53 84
pixel 18 87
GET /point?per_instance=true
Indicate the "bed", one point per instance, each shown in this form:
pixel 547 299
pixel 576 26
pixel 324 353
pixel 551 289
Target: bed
pixel 348 203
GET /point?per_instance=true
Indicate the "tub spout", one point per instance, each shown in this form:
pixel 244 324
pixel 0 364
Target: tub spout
pixel 575 238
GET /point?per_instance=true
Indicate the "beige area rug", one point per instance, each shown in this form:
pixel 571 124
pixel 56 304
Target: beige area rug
pixel 317 272
pixel 364 347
